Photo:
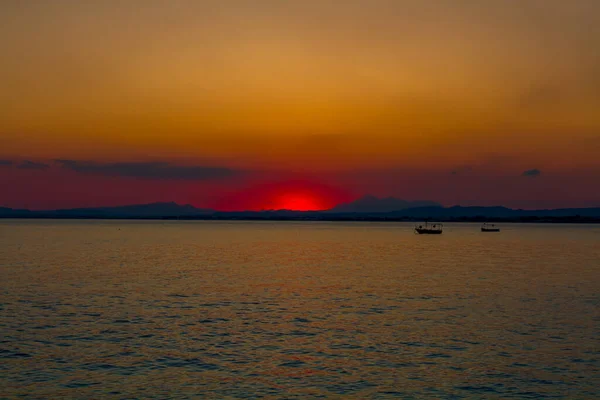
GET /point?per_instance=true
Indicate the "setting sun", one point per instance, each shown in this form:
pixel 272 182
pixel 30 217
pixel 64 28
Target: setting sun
pixel 299 201
pixel 296 195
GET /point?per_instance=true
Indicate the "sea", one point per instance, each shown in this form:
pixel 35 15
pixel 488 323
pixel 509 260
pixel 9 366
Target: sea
pixel 93 309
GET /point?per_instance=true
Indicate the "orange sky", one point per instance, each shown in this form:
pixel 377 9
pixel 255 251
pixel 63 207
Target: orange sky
pixel 305 87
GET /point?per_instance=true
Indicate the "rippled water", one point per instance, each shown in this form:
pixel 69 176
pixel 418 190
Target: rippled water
pixel 121 309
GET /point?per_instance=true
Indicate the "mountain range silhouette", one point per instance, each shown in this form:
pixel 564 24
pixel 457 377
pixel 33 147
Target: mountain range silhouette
pixel 366 208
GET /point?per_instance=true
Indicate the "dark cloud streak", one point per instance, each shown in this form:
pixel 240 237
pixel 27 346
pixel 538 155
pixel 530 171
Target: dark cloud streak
pixel 461 170
pixel 32 165
pixel 149 170
pixel 532 173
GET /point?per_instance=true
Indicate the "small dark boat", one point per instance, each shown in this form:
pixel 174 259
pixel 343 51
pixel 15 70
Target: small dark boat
pixel 489 228
pixel 429 229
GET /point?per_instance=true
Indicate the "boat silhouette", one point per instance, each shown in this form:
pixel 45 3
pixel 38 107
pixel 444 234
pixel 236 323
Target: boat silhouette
pixel 489 228
pixel 429 229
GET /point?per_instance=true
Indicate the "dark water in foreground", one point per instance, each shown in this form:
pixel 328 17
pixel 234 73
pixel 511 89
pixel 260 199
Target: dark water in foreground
pixel 93 309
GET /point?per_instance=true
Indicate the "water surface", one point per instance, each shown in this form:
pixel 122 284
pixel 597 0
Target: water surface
pixel 141 309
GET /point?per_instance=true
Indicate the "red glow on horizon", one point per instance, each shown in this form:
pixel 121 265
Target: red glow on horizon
pixel 298 201
pixel 289 195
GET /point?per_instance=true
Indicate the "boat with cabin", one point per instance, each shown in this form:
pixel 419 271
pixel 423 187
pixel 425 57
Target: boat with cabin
pixel 489 228
pixel 429 229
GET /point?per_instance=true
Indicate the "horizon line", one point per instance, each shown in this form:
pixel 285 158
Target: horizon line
pixel 214 210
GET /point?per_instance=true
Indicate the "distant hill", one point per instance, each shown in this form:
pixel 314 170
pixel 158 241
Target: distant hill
pixel 152 210
pixel 6 212
pixel 493 212
pixel 171 209
pixel 370 204
pixel 458 212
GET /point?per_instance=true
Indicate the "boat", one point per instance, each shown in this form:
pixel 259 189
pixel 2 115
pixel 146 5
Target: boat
pixel 429 229
pixel 489 228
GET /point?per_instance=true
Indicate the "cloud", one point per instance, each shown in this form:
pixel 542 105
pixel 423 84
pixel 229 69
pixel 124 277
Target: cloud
pixel 32 165
pixel 461 170
pixel 532 173
pixel 149 170
pixel 6 163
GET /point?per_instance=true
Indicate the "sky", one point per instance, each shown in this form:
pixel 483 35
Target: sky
pixel 236 104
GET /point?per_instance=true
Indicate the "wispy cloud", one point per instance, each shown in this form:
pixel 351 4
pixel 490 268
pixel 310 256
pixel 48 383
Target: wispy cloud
pixel 461 170
pixel 32 165
pixel 532 173
pixel 149 170
pixel 6 163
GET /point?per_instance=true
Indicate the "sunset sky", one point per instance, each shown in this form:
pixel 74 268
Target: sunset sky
pixel 236 104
